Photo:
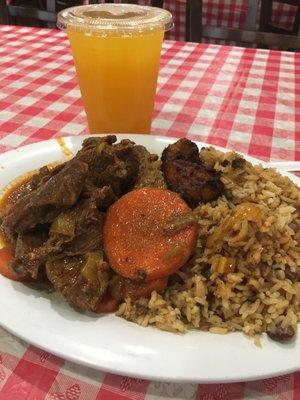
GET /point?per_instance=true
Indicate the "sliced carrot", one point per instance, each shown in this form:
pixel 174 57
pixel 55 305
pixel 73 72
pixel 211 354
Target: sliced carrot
pixel 123 288
pixel 135 239
pixel 107 305
pixel 5 269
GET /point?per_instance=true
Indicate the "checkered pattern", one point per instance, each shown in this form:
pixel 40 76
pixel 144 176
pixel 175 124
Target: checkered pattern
pixel 244 99
pixel 226 13
pixel 32 374
pixel 283 15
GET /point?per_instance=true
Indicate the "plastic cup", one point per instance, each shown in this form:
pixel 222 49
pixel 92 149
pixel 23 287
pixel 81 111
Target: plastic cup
pixel 116 50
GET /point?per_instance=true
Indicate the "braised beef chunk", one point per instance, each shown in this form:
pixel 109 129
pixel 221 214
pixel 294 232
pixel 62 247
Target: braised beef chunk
pixel 74 250
pixel 25 261
pixel 44 174
pixel 79 230
pixel 45 203
pixel 122 167
pixel 183 149
pixel 149 173
pixel 83 280
pixel 41 177
pixel 72 232
pixel 95 142
pixel 103 197
pixel 91 151
pixel 185 174
pixel 109 165
pixel 112 165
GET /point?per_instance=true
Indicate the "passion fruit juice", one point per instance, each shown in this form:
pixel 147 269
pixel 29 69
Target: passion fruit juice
pixel 117 77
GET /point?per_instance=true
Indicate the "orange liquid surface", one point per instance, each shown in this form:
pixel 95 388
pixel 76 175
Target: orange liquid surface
pixel 117 77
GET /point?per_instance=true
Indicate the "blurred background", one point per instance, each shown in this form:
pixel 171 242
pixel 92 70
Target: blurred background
pixel 248 23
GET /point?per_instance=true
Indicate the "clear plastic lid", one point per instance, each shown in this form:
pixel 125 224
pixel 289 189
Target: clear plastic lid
pixel 114 18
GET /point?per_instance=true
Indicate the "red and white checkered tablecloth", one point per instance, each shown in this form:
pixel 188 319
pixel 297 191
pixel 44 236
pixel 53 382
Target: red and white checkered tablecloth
pixel 244 99
pixel 226 13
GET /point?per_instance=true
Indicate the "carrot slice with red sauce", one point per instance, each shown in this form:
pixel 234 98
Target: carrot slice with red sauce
pixel 107 305
pixel 135 239
pixel 136 290
pixel 124 288
pixel 120 288
pixel 5 269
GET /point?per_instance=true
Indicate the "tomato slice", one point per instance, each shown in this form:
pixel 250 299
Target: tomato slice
pixel 5 270
pixel 107 305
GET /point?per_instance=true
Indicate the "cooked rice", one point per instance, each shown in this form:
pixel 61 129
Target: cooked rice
pixel 263 290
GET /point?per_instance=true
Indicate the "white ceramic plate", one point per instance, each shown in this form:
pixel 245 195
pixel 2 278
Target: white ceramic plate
pixel 112 344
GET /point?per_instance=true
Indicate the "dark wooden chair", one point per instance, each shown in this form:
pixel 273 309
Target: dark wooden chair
pixel 265 22
pixel 26 12
pixel 154 3
pixel 249 36
pixel 33 12
pixel 195 31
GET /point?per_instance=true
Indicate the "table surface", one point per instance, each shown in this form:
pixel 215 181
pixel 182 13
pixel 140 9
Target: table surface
pixel 243 99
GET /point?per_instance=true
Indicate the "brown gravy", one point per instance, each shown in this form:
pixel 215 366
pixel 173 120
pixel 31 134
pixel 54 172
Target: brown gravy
pixel 11 194
pixel 14 190
pixel 64 148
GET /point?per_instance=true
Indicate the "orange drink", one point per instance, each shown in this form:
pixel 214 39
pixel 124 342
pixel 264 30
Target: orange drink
pixel 118 95
pixel 116 50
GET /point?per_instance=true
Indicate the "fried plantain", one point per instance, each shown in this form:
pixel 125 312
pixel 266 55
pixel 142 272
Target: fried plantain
pixel 185 174
pixel 183 149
